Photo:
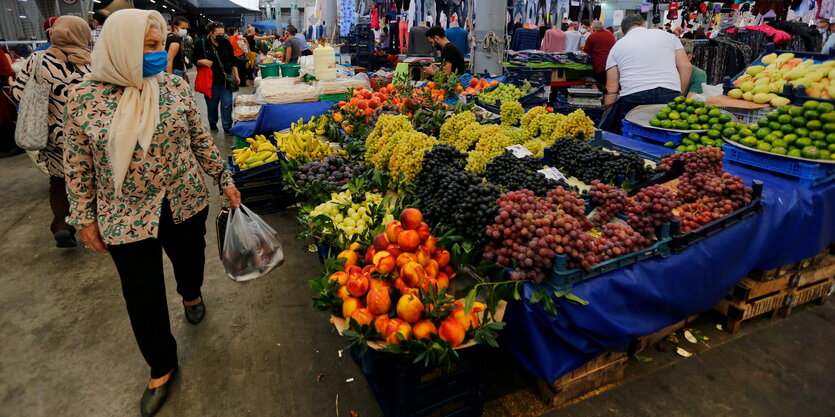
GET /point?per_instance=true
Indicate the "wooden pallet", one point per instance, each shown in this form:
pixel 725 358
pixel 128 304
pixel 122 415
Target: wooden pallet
pixel 814 284
pixel 589 379
pixel 751 298
pixel 644 342
pixel 790 269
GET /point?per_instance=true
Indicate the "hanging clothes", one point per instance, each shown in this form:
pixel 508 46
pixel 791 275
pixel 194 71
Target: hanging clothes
pixel 827 9
pixel 346 17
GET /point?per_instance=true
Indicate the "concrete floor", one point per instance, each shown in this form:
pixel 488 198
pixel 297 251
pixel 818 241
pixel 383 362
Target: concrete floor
pixel 263 350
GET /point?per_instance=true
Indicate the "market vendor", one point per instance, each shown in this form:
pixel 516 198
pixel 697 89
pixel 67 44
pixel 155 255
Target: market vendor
pixel 451 57
pixel 699 75
pixel 647 66
pixel 292 46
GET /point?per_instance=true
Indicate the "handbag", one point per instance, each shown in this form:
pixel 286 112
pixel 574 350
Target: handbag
pixel 231 84
pixel 32 131
pixel 203 81
pixel 221 222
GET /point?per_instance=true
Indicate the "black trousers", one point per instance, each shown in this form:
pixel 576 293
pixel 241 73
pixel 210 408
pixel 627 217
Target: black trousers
pixel 59 204
pixel 143 284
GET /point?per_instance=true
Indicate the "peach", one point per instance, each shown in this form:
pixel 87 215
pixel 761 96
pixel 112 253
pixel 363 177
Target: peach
pixel 342 292
pixel 380 242
pixel 358 285
pixel 350 256
pixel 362 316
pixel 405 258
pixel 384 262
pixel 424 231
pixel 430 243
pixel 393 229
pixel 452 331
pixel 424 329
pixel 467 320
pixel 409 308
pixel 394 249
pixel 449 271
pixel 395 327
pixel 353 270
pixel 349 305
pixel 431 269
pixel 380 323
pixel 379 283
pixel 412 274
pixel 442 281
pixel 441 256
pixel 423 256
pixel 354 246
pixel 411 219
pixel 409 240
pixel 403 288
pixel 378 300
pixel 369 255
pixel 340 276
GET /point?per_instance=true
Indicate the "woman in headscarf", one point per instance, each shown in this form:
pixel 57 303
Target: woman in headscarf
pixel 64 64
pixel 135 149
pixel 47 28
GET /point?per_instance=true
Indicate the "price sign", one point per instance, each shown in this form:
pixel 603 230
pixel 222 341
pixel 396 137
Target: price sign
pixel 519 151
pixel 552 173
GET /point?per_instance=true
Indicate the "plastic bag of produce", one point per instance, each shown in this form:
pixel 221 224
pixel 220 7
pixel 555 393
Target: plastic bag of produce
pixel 251 247
pixel 246 113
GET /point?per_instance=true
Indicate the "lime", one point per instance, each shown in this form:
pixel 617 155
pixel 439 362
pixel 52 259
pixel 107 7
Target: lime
pixel 717 126
pixel 769 138
pixel 690 109
pixel 794 152
pixel 749 141
pixel 705 126
pixel 735 138
pixel 703 118
pixel 761 133
pixel 811 115
pixel 810 152
pixel 670 145
pixel 692 148
pixel 681 148
pixel 699 104
pixel 801 142
pixel 671 106
pixel 778 150
pixel 728 132
pixel 790 138
pixel 690 101
pixel 780 144
pixel 674 115
pixel 784 119
pixel 666 124
pixel 829 128
pixel 713 120
pixel 824 154
pixel 777 133
pixel 801 131
pixel 817 135
pixel 679 100
pixel 714 112
pixel 774 125
pixel 773 116
pixel 764 146
pixel 681 107
pixel 700 111
pixel 693 136
pixel 662 116
pixel 718 143
pixel 831 147
pixel 746 132
pixel 688 142
pixel 828 117
pixel 819 144
pixel 796 121
pixel 708 142
pixel 825 107
pixel 692 119
pixel 783 109
pixel 762 123
pixel 830 138
pixel 811 105
pixel 724 118
pixel 795 111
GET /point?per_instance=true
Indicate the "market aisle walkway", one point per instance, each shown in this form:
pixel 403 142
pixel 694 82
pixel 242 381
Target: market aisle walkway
pixel 67 348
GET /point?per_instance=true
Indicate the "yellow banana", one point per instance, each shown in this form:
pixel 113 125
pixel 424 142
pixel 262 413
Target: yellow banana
pixel 250 140
pixel 264 155
pixel 272 158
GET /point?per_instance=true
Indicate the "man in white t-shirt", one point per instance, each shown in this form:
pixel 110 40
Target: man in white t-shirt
pixel 572 38
pixel 647 66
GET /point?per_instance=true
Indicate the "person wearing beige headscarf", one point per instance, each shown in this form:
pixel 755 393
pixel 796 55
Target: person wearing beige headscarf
pixel 63 65
pixel 135 150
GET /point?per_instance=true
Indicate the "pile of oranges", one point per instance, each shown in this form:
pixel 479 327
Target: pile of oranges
pixel 477 85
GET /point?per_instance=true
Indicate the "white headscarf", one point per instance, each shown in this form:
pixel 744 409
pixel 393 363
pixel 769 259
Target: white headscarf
pixel 117 59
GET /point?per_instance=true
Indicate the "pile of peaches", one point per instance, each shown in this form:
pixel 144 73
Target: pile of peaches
pixel 389 287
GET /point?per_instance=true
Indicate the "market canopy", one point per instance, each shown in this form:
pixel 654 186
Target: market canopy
pixel 266 24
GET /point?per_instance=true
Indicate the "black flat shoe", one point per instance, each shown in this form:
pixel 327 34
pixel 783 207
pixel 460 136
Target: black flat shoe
pixel 195 313
pixel 227 132
pixel 213 128
pixel 65 239
pixel 153 398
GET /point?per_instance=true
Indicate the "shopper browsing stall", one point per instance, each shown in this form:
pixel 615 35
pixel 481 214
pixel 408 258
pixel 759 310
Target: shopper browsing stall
pixel 598 45
pixel 647 66
pixel 451 57
pixel 215 52
pixel 572 38
pixel 699 75
pixel 134 153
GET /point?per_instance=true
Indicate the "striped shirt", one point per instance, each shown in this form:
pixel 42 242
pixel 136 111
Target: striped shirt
pixel 94 36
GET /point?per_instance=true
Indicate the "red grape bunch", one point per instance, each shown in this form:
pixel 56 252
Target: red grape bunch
pixel 707 159
pixel 650 208
pixel 618 240
pixel 610 201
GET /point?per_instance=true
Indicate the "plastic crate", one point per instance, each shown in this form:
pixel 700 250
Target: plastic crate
pixel 599 141
pixel 562 279
pixel 651 135
pixel 323 250
pixel 748 116
pixel 518 75
pixel 808 174
pixel 334 97
pixel 681 242
pixel 405 389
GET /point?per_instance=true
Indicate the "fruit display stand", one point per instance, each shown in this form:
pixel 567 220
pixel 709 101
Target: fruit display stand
pixel 658 292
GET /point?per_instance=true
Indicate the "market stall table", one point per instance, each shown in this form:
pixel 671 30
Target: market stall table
pixel 796 223
pixel 276 117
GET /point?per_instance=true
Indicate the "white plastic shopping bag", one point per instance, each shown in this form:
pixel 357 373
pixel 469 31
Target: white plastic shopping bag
pixel 251 247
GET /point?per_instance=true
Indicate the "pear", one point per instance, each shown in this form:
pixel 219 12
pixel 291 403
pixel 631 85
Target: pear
pixel 754 69
pixel 762 81
pixel 777 86
pixel 831 90
pixel 797 73
pixel 735 93
pixel 748 96
pixel 769 59
pixel 760 89
pixel 747 86
pixel 813 76
pixel 762 98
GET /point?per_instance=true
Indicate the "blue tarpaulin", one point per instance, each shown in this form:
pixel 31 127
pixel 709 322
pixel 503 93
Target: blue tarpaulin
pixel 266 24
pixel 275 117
pixel 796 223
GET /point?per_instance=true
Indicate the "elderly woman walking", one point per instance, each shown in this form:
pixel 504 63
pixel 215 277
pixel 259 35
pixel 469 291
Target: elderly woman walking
pixel 135 147
pixel 63 65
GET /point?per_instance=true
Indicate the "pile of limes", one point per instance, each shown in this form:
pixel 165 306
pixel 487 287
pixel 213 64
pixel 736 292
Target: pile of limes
pixel 689 114
pixel 807 131
pixel 691 142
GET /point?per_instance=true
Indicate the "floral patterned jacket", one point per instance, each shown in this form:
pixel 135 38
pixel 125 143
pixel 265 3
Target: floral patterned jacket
pixel 168 170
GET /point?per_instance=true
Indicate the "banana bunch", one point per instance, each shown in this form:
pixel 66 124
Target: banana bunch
pixel 320 127
pixel 260 151
pixel 300 143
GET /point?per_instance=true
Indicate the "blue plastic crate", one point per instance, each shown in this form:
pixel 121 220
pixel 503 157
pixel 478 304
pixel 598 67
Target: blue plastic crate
pixel 809 174
pixel 651 135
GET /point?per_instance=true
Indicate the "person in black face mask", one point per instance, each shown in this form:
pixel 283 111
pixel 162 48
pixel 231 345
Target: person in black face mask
pixel 451 57
pixel 215 52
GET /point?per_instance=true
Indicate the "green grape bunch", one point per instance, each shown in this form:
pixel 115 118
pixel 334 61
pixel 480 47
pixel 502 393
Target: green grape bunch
pixel 453 127
pixel 511 113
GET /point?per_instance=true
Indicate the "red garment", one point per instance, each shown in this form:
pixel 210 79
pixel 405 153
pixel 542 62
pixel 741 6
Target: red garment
pixel 375 18
pixel 673 7
pixel 598 46
pixel 778 35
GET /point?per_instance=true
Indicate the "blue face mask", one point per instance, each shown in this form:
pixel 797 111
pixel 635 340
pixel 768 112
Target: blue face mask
pixel 154 63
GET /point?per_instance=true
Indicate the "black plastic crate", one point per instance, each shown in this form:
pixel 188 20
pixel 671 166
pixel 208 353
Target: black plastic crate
pixel 405 389
pixel 681 242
